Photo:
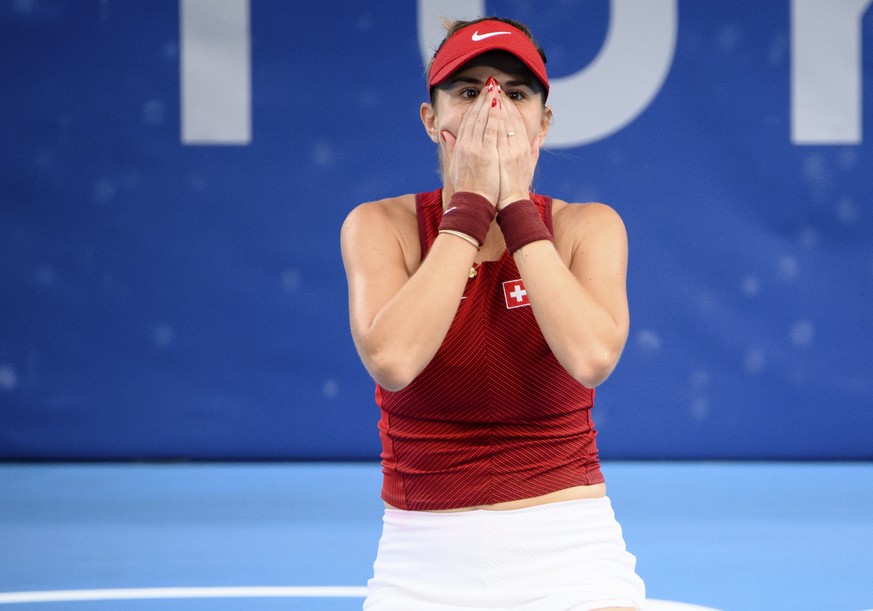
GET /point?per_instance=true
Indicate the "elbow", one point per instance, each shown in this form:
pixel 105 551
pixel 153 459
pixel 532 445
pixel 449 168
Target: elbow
pixel 391 372
pixel 594 366
pixel 392 363
pixel 592 374
pixel 392 380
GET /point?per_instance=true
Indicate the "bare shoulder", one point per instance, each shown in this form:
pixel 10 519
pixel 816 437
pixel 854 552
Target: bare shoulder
pixel 385 224
pixel 594 215
pixel 578 224
pixel 398 210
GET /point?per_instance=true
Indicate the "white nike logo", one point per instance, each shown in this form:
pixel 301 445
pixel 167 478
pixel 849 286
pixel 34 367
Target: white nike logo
pixel 477 36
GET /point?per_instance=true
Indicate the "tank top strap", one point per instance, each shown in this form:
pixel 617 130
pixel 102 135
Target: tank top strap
pixel 544 206
pixel 428 211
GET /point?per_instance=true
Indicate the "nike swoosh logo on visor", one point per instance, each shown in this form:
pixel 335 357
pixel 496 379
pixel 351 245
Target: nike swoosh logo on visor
pixel 477 36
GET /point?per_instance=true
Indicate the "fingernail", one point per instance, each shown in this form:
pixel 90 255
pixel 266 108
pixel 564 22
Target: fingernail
pixel 443 136
pixel 493 102
pixel 491 83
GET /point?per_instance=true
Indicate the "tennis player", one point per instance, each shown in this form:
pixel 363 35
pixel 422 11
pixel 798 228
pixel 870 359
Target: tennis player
pixel 487 314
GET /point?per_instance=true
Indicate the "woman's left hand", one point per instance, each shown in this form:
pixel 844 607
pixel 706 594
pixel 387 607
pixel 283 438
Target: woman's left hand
pixel 517 154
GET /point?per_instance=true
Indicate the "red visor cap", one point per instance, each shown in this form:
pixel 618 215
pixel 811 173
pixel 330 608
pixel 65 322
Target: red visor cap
pixel 479 38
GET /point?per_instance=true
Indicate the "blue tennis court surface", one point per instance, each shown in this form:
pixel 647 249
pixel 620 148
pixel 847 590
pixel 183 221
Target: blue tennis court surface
pixel 730 536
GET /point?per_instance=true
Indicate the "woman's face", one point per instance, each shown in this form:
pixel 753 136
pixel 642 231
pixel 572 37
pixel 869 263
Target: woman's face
pixel 454 97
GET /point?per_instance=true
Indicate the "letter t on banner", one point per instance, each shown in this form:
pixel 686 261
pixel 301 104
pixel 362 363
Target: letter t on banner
pixel 216 105
pixel 826 71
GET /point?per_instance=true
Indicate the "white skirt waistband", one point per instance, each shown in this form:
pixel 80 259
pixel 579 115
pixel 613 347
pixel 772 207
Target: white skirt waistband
pixel 557 556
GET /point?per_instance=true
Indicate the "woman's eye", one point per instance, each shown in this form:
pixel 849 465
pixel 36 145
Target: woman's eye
pixel 469 93
pixel 515 95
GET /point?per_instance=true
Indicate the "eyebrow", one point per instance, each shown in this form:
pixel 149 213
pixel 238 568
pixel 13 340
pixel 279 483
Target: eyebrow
pixel 464 80
pixel 514 82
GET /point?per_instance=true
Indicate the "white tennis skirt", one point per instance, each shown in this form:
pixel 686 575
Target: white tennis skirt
pixel 560 556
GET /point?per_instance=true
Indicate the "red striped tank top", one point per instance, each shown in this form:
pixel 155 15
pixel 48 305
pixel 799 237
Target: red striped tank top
pixel 493 417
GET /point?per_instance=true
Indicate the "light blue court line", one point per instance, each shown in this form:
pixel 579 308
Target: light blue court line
pixel 728 536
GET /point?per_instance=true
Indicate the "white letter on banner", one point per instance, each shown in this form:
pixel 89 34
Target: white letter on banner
pixel 614 89
pixel 216 105
pixel 826 71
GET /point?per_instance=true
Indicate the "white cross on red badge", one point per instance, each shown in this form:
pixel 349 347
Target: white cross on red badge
pixel 515 294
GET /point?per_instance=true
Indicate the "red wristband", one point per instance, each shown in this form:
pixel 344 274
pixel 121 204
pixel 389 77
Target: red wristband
pixel 521 224
pixel 469 213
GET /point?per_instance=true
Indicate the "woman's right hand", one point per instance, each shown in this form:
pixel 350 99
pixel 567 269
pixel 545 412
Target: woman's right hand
pixel 473 164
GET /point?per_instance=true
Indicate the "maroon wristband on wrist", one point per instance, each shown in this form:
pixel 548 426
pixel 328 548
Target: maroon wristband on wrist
pixel 521 224
pixel 469 213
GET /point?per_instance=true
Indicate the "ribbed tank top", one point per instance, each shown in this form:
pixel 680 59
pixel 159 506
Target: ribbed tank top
pixel 493 417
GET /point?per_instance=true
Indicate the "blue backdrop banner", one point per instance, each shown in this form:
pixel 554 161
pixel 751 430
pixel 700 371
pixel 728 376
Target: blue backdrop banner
pixel 175 174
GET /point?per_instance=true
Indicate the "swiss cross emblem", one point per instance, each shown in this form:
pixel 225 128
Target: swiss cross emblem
pixel 515 294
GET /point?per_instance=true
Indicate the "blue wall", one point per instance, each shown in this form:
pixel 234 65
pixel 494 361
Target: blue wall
pixel 160 299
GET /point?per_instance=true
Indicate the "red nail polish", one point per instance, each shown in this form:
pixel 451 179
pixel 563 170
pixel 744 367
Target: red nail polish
pixel 491 83
pixel 493 102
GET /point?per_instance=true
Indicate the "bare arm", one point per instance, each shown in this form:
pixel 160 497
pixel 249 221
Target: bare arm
pixel 581 306
pixel 576 284
pixel 399 318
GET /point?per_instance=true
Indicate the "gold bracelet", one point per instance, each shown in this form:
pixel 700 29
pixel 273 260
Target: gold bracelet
pixel 461 235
